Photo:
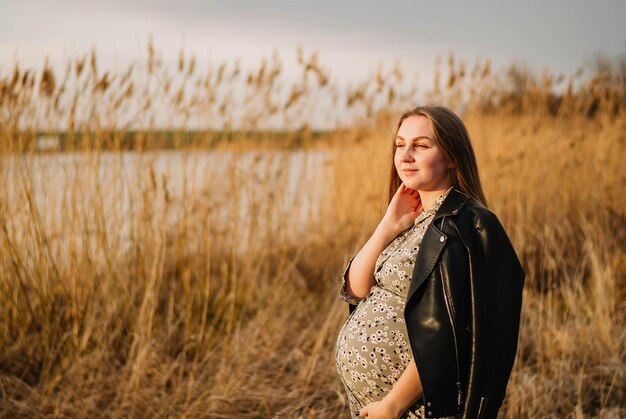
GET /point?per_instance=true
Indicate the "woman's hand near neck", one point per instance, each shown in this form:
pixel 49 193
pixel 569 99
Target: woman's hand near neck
pixel 400 215
pixel 402 211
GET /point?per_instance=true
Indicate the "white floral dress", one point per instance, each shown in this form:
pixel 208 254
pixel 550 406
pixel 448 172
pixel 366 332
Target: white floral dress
pixel 372 349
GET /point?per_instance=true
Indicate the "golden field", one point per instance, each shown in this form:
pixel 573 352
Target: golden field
pixel 177 271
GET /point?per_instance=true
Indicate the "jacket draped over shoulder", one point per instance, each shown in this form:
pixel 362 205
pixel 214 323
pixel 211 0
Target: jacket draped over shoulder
pixel 462 309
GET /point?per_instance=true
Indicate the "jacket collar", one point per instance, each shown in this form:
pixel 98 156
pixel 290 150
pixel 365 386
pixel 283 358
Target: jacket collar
pixel 452 204
pixel 434 240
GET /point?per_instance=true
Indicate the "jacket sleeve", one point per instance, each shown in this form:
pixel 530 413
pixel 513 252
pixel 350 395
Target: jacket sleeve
pixel 497 279
pixel 351 300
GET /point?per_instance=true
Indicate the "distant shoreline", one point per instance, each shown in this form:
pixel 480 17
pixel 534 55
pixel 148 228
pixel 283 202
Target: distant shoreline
pixel 136 140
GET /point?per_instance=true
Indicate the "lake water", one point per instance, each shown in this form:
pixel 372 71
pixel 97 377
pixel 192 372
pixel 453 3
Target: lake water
pixel 285 186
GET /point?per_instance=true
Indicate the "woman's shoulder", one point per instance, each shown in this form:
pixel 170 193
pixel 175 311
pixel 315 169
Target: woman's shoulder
pixel 473 215
pixel 471 209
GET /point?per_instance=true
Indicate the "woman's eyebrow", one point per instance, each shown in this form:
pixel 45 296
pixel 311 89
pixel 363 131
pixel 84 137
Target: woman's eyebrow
pixel 415 138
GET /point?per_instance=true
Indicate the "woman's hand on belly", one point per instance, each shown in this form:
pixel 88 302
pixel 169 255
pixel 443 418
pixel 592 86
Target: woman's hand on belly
pixel 380 410
pixel 406 391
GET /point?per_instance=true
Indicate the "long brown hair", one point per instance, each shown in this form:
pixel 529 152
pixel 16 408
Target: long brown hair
pixel 452 137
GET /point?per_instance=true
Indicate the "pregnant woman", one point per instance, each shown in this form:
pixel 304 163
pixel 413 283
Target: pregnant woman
pixel 435 294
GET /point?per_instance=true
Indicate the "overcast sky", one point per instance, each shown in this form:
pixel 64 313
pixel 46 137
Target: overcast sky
pixel 351 36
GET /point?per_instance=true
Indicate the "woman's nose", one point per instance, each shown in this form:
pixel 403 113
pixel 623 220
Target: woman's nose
pixel 406 154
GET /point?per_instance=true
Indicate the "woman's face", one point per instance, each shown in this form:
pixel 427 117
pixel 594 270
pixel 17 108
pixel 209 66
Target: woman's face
pixel 420 163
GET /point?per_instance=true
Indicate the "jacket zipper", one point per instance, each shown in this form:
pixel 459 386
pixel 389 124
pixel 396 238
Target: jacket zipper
pixel 459 391
pixel 481 406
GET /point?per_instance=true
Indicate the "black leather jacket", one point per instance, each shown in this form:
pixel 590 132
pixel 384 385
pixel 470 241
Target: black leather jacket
pixel 463 310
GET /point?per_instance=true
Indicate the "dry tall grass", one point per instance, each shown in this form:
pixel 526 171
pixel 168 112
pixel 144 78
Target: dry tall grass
pixel 134 287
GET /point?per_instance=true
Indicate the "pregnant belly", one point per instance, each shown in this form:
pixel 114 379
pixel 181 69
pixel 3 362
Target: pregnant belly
pixel 372 348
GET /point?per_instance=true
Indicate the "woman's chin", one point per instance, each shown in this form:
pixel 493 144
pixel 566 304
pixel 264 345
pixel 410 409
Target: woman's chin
pixel 411 184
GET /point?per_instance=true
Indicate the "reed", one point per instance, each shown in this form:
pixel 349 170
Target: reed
pixel 189 266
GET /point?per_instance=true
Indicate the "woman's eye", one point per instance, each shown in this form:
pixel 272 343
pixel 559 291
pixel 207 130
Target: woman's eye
pixel 416 146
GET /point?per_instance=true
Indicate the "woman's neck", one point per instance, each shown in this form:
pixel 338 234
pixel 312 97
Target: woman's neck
pixel 428 198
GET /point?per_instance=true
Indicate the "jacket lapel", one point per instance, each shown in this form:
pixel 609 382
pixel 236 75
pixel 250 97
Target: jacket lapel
pixel 434 241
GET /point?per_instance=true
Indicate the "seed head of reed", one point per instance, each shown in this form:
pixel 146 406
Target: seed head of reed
pixel 47 83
